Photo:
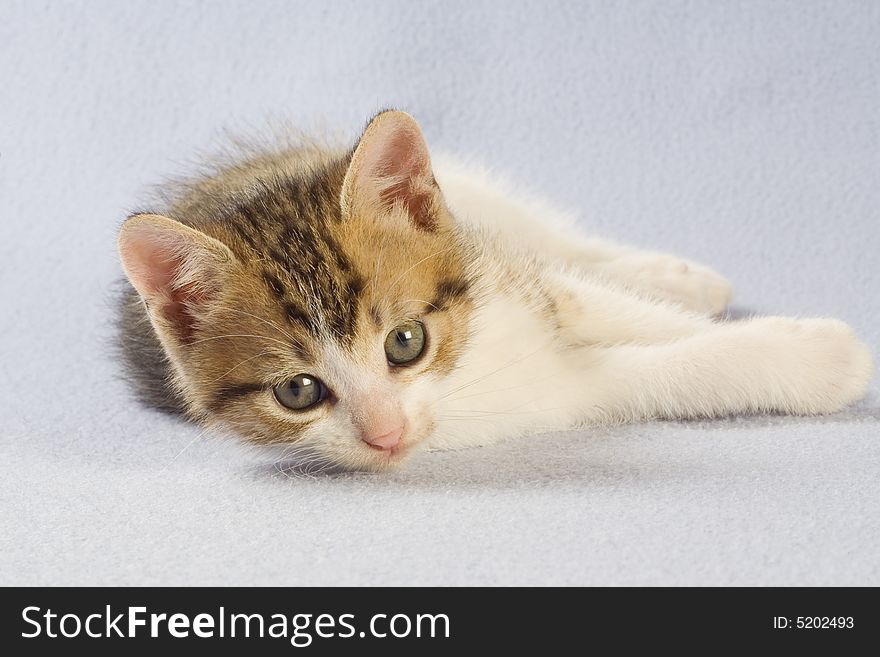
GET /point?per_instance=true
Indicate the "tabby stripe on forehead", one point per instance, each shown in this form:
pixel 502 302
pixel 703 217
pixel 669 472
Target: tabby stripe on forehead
pixel 248 213
pixel 288 234
pixel 280 256
pixel 316 200
pixel 299 316
pixel 232 391
pixel 342 261
pixel 275 283
pixel 293 189
pixel 288 224
pixel 356 285
pixel 241 230
pixel 448 290
pixel 323 196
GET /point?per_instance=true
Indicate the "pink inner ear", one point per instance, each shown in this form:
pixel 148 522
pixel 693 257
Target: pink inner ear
pixel 153 258
pixel 395 167
pixel 400 153
pixel 151 261
pixel 416 199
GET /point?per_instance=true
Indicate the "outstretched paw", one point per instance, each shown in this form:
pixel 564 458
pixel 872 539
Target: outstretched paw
pixel 827 365
pixel 690 285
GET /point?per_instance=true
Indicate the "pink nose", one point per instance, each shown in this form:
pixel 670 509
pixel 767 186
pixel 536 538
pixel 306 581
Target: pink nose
pixel 387 440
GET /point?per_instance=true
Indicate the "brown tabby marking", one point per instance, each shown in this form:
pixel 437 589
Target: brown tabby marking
pixel 306 273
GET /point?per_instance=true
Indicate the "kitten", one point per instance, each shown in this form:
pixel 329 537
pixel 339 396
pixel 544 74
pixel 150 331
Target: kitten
pixel 358 305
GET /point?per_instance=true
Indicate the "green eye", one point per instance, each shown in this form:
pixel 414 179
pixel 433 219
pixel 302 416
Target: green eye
pixel 405 343
pixel 300 392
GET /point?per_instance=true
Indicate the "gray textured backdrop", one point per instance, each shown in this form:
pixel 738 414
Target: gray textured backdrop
pixel 745 134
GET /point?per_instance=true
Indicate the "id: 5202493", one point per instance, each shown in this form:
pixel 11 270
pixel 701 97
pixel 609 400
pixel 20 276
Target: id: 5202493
pixel 813 622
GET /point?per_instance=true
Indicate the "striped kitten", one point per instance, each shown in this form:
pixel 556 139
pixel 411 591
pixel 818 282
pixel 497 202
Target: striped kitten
pixel 358 305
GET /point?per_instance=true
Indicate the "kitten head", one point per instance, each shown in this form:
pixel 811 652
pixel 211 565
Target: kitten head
pixel 319 309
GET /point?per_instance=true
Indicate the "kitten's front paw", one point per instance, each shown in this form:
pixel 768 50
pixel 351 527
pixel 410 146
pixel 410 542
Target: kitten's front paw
pixel 694 287
pixel 831 367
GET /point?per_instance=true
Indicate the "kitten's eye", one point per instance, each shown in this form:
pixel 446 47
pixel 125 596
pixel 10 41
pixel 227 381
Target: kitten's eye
pixel 301 392
pixel 405 343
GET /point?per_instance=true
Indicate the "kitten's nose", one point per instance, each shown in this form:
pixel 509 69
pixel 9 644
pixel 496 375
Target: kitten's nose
pixel 384 440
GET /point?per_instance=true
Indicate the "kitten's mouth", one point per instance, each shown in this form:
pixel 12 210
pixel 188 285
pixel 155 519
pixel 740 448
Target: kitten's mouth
pixel 393 454
pixel 397 450
pixel 386 450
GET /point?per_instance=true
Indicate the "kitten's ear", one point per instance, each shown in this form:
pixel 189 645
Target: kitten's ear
pixel 391 166
pixel 176 269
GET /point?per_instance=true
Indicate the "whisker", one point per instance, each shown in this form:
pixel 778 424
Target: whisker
pixel 198 437
pixel 493 390
pixel 427 303
pixel 510 363
pixel 409 269
pixel 238 335
pixel 531 427
pixel 246 360
pixel 464 412
pixel 376 270
pixel 270 323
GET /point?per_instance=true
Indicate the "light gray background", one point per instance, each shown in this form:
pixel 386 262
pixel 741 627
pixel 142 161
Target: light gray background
pixel 743 134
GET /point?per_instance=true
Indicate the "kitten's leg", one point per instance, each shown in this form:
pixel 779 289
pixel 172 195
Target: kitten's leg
pixel 666 277
pixel 519 379
pixel 478 200
pixel 643 359
pixel 688 284
pixel 588 311
pixel 801 367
